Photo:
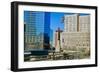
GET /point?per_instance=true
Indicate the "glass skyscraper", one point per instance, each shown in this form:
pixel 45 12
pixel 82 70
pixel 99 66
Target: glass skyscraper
pixel 36 30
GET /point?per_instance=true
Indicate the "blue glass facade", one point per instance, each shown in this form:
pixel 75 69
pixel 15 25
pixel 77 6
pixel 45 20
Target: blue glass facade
pixel 46 29
pixel 37 30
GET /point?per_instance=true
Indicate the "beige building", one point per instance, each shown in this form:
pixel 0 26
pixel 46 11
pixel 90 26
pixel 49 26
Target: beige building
pixel 84 23
pixel 57 39
pixel 72 40
pixel 76 32
pixel 57 43
pixel 71 22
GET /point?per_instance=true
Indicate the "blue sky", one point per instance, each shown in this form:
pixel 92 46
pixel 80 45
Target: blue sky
pixel 56 21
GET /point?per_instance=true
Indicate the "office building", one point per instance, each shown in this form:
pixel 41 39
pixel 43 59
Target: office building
pixel 71 23
pixel 37 27
pixel 84 22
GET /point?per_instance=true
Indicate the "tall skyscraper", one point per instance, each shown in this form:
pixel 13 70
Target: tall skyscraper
pixel 37 27
pixel 71 23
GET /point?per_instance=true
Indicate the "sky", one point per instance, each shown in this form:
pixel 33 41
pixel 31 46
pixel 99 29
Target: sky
pixel 56 21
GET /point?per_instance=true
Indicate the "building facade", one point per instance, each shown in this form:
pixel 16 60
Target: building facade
pixel 76 32
pixel 84 23
pixel 71 23
pixel 36 28
pixel 72 40
pixel 57 40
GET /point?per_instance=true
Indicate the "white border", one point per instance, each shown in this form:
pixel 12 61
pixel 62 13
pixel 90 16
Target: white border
pixel 22 64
